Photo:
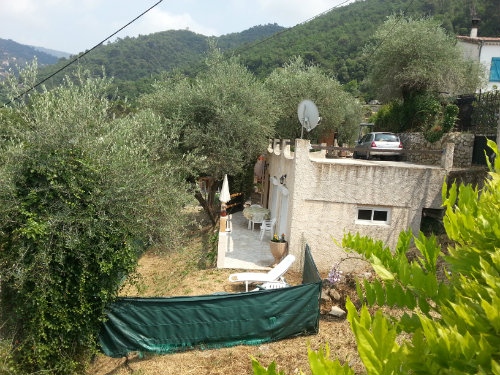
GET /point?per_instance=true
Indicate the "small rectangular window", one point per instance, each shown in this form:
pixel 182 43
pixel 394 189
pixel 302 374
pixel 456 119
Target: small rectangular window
pixel 374 216
pixel 364 214
pixel 379 215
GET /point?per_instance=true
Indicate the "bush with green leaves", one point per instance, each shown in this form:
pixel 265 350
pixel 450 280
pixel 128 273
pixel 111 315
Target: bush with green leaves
pixel 453 325
pixel 80 195
pixel 485 111
pixel 319 362
pixel 409 56
pixel 425 113
pixel 340 112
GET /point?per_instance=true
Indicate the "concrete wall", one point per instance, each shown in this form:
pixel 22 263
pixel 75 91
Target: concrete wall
pixel 324 194
pixel 462 156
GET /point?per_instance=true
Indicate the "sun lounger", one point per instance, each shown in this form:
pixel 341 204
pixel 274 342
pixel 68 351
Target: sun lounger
pixel 276 274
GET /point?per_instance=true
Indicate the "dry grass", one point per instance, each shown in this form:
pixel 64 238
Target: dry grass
pixel 187 271
pixel 183 272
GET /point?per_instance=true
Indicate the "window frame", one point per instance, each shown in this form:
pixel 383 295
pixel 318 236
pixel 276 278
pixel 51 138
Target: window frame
pixel 387 222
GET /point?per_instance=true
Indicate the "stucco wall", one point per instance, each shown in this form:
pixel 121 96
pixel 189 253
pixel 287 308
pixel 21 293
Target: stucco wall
pixel 482 50
pixel 462 156
pixel 324 195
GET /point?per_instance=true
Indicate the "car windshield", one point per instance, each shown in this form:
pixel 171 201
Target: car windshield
pixel 386 137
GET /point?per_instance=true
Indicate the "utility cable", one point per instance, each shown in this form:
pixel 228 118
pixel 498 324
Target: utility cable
pixel 80 56
pixel 301 23
pixel 279 33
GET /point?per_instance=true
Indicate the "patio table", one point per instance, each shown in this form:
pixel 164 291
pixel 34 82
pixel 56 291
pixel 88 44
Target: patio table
pixel 250 212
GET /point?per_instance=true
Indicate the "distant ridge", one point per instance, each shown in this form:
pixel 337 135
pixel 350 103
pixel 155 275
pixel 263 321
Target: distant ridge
pixel 13 53
pixel 53 52
pixel 334 41
pixel 135 62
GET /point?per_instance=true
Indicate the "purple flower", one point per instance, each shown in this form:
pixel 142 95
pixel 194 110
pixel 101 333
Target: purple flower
pixel 335 274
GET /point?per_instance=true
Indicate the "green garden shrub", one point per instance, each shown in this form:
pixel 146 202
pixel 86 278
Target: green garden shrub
pixel 79 193
pixel 424 113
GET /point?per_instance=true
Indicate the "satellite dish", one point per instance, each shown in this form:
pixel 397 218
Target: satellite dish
pixel 308 115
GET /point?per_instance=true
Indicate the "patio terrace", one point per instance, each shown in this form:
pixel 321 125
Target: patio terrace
pixel 241 248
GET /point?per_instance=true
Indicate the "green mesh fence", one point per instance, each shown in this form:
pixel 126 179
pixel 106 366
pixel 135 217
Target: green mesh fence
pixel 167 325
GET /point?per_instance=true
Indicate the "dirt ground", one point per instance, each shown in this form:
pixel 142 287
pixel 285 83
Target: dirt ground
pixel 189 271
pixel 183 273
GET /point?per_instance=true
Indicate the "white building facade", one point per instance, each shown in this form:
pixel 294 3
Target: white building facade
pixel 317 200
pixel 487 51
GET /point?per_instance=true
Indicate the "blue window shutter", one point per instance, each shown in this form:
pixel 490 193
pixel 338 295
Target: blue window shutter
pixel 495 69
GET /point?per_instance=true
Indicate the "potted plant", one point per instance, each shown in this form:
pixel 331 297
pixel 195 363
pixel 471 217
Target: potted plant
pixel 278 246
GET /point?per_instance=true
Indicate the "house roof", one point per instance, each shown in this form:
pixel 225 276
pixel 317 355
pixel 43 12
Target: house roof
pixel 479 40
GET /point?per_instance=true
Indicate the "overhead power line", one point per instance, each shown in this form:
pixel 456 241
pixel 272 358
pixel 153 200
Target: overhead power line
pixel 279 33
pixel 390 31
pixel 80 56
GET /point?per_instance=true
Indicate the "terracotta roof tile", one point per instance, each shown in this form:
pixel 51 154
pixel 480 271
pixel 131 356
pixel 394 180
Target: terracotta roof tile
pixel 479 39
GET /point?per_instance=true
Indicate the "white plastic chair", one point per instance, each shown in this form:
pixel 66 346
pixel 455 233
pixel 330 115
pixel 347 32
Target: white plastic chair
pixel 267 226
pixel 276 274
pixel 258 218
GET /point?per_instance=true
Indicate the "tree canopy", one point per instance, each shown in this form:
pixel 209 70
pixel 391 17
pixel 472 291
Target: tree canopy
pixel 225 116
pixel 81 194
pixel 295 81
pixel 413 56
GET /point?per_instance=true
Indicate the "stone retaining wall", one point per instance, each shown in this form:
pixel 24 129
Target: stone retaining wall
pixel 462 158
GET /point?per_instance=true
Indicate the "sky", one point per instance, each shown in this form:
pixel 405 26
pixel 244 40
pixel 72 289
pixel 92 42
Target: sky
pixel 74 26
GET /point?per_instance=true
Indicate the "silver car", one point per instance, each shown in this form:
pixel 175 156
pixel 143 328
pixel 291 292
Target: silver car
pixel 382 144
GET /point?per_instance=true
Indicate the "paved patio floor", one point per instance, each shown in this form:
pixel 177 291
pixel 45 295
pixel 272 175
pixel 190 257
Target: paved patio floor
pixel 241 248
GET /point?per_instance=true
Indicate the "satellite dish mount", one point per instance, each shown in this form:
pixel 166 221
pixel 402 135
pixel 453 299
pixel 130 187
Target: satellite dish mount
pixel 308 116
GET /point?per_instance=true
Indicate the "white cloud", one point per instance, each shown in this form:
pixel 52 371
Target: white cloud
pixel 292 12
pixel 159 20
pixel 18 8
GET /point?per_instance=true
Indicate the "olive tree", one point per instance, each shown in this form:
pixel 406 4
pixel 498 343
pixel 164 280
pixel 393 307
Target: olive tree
pixel 295 81
pixel 80 195
pixel 411 56
pixel 224 115
pixel 417 66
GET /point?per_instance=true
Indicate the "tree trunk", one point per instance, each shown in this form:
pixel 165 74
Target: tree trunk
pixel 206 206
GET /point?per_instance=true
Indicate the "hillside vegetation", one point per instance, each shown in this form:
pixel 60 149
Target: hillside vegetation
pixel 134 62
pixel 334 41
pixel 12 53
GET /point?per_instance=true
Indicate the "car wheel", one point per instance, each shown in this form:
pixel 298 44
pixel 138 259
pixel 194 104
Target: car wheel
pixel 355 155
pixel 397 158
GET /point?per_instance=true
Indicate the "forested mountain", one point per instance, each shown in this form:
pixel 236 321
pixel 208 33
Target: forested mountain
pixel 53 52
pixel 334 41
pixel 135 61
pixel 12 54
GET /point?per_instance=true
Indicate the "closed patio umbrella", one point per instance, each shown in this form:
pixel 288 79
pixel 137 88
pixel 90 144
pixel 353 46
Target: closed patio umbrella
pixel 225 196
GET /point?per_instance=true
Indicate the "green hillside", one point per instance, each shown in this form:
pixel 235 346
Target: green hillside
pixel 135 62
pixel 334 41
pixel 13 53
